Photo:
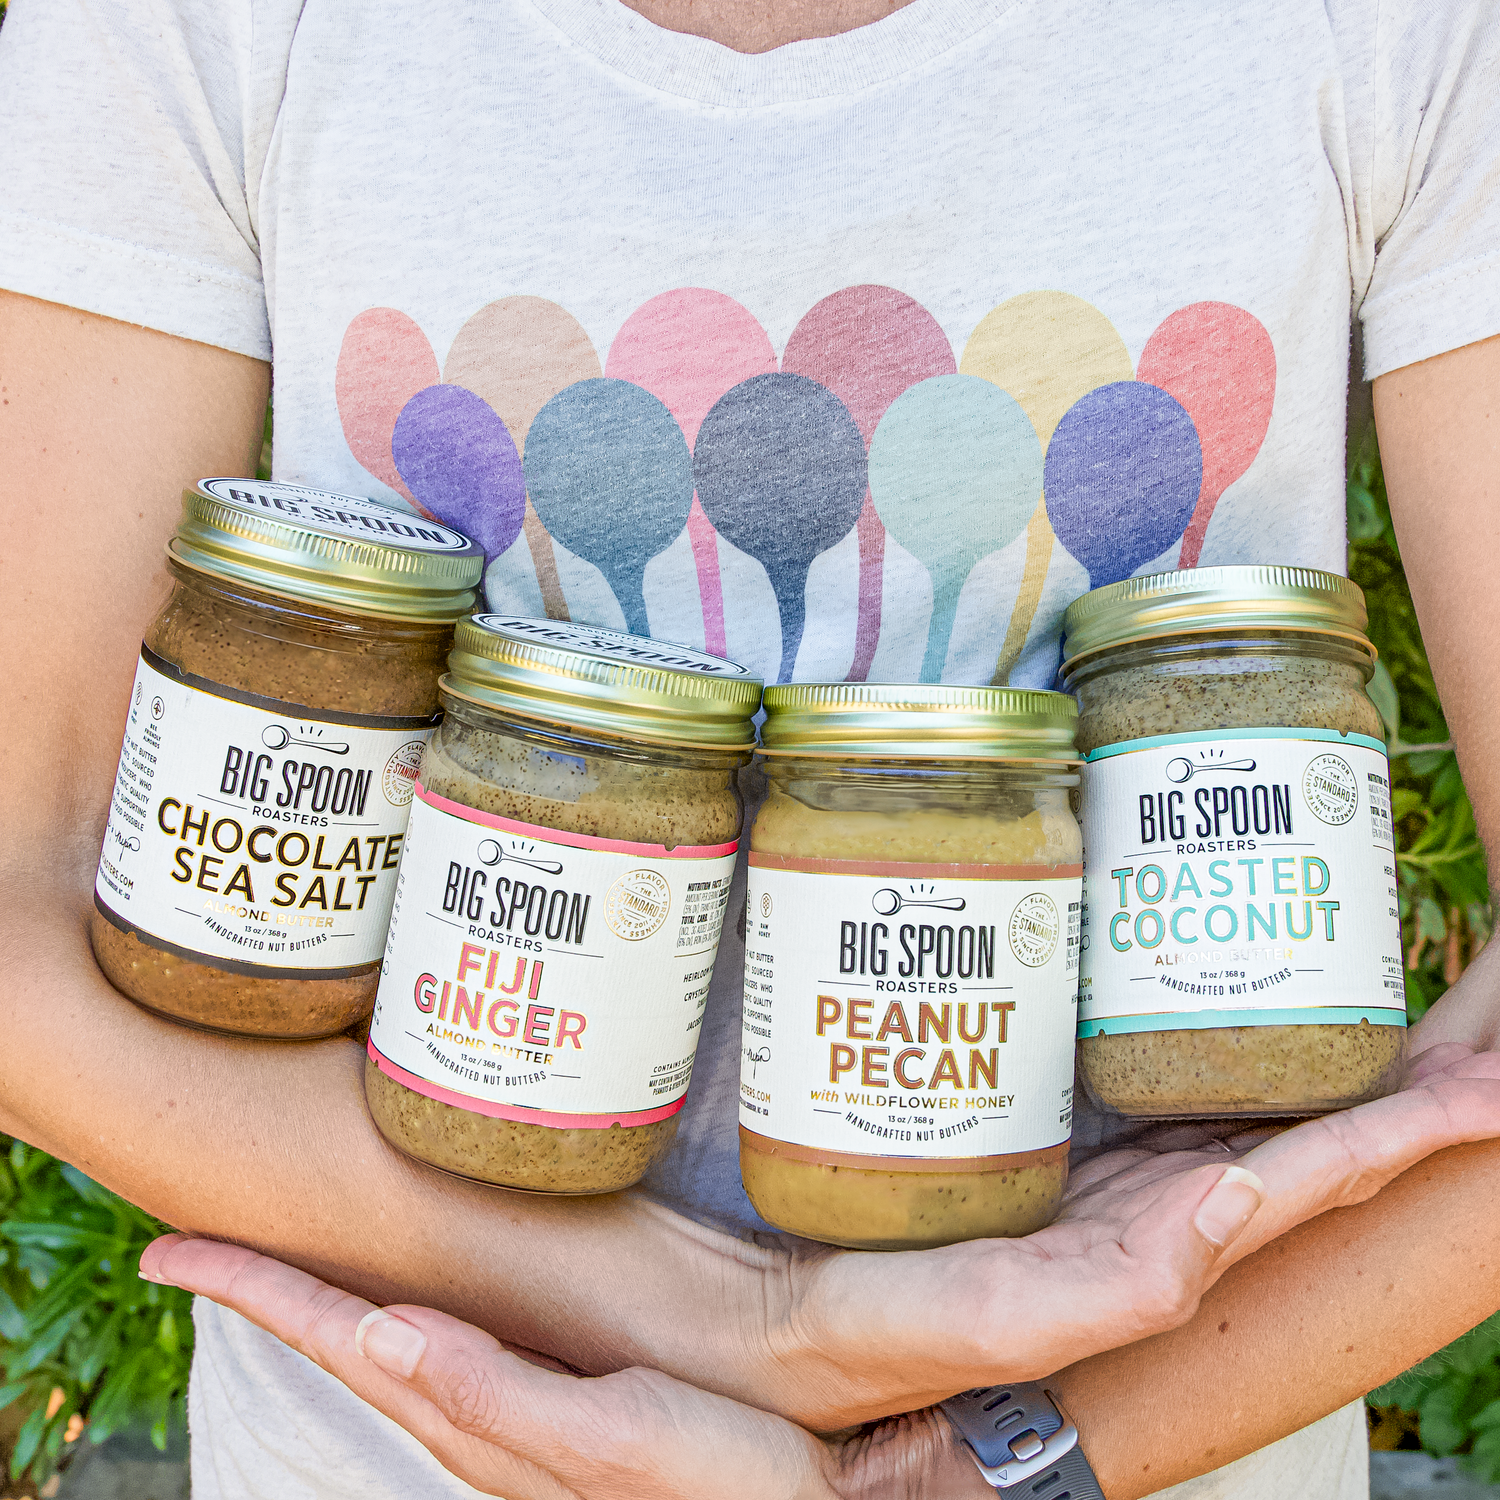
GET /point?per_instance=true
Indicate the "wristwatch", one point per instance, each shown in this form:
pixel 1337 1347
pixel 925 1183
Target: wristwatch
pixel 1023 1443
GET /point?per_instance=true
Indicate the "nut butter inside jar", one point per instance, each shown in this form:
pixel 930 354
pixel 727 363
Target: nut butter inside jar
pixel 562 890
pixel 1242 948
pixel 281 704
pixel 911 963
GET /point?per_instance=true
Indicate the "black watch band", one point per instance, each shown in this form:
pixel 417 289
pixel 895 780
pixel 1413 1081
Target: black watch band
pixel 1023 1443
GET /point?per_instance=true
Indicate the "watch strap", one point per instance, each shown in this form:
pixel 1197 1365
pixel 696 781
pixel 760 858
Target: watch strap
pixel 1023 1443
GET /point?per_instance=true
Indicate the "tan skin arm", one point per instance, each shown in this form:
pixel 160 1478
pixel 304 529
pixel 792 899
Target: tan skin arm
pixel 1351 1299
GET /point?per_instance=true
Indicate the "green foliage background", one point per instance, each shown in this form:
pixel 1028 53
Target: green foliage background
pixel 81 1333
pixel 79 1330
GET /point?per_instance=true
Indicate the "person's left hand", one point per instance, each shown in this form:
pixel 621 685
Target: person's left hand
pixel 519 1425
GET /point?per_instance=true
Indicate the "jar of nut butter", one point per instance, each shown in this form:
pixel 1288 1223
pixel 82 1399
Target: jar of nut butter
pixel 1242 943
pixel 283 698
pixel 559 904
pixel 911 964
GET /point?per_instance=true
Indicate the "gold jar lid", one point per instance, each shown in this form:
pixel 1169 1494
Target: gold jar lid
pixel 1213 601
pixel 339 550
pixel 588 678
pixel 927 721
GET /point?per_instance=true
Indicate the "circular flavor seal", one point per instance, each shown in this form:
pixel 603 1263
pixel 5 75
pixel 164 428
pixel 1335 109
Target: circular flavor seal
pixel 399 778
pixel 1034 929
pixel 1331 789
pixel 637 904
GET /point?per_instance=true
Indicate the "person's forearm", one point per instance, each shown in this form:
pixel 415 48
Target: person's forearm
pixel 269 1144
pixel 1305 1325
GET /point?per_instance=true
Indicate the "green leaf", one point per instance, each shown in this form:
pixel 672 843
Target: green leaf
pixel 12 1392
pixel 1442 1430
pixel 1405 801
pixel 27 1440
pixel 1365 520
pixel 1484 1456
pixel 86 1187
pixel 1428 761
pixel 1382 691
pixel 12 1322
pixel 1430 923
pixel 166 1332
pixel 57 1236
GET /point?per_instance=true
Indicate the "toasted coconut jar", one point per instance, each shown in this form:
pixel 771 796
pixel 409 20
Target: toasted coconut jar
pixel 911 962
pixel 561 896
pixel 281 704
pixel 1242 944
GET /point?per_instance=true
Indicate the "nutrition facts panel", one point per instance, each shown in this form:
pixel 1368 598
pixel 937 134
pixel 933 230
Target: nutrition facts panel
pixel 703 907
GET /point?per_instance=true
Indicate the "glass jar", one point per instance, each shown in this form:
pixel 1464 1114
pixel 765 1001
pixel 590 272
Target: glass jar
pixel 282 700
pixel 1242 941
pixel 560 899
pixel 911 964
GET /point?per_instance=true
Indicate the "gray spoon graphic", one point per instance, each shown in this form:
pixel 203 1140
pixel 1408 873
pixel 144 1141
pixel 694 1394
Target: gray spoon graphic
pixel 888 902
pixel 490 853
pixel 275 737
pixel 1181 770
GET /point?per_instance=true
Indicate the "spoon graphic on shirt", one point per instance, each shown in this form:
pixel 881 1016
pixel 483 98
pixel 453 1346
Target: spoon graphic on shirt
pixel 888 902
pixel 490 853
pixel 275 737
pixel 1181 770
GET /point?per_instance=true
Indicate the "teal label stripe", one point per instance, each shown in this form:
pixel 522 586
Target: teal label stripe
pixel 1208 1020
pixel 1208 736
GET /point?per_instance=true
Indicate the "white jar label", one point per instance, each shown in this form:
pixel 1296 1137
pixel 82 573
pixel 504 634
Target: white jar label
pixel 1239 877
pixel 260 837
pixel 906 1010
pixel 544 976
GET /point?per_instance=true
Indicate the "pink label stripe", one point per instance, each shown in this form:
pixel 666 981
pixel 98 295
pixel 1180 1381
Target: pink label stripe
pixel 900 870
pixel 574 840
pixel 515 1112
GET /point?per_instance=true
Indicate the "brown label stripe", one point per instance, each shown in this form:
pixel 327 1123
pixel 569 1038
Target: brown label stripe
pixel 823 1157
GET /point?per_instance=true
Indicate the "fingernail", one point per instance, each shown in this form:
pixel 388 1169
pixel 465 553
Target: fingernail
pixel 146 1275
pixel 390 1342
pixel 1230 1205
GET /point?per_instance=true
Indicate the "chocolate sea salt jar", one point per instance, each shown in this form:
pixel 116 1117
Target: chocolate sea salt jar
pixel 560 898
pixel 911 964
pixel 281 704
pixel 1242 943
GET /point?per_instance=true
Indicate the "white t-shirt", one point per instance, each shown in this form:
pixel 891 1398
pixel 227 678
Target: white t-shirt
pixel 856 359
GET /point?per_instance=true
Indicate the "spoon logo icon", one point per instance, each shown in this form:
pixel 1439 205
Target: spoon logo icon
pixel 887 901
pixel 490 853
pixel 278 737
pixel 1181 769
